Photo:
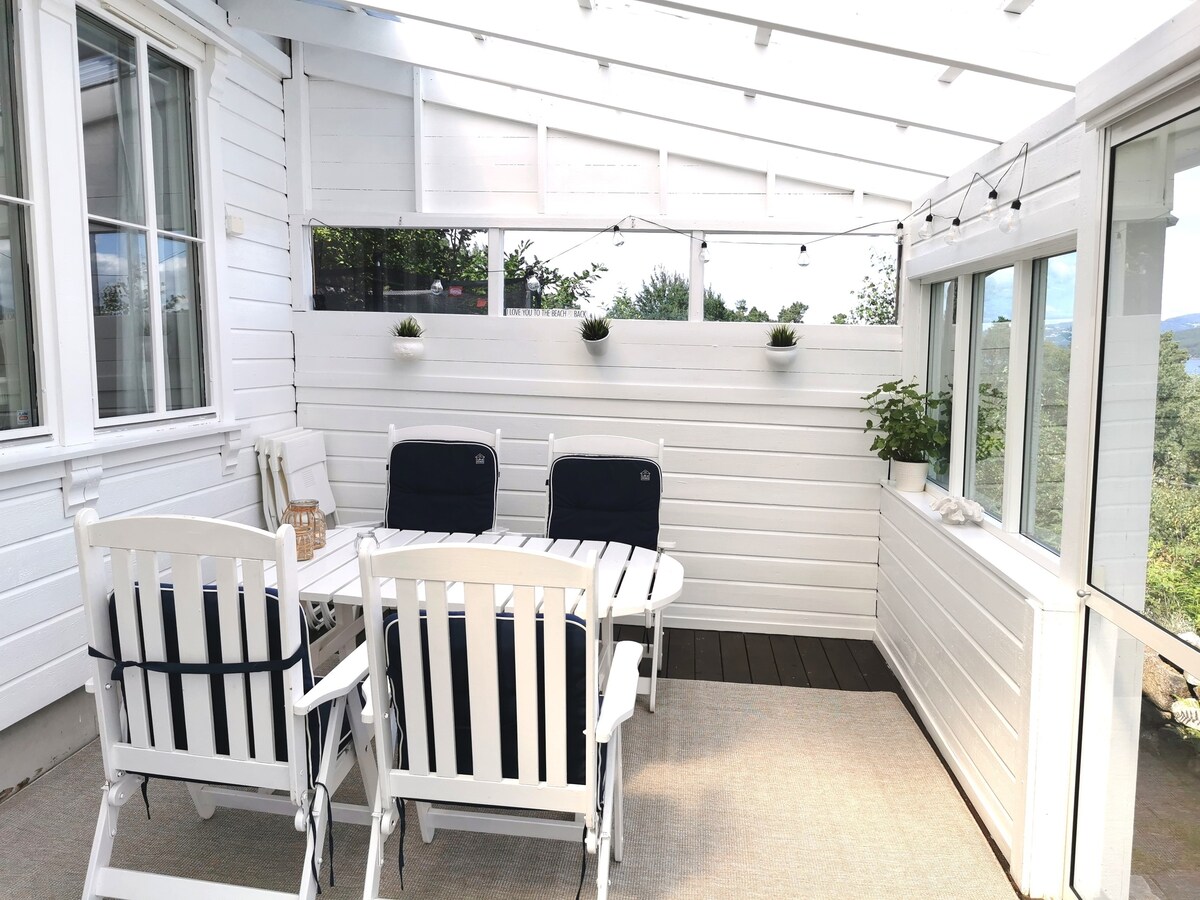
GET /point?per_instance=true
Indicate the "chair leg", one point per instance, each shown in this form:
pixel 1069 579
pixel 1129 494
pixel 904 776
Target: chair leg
pixel 424 820
pixel 375 855
pixel 618 830
pixel 102 844
pixel 655 658
pixel 360 735
pixel 205 805
pixel 315 841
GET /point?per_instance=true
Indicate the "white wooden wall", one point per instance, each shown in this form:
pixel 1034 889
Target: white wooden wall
pixel 770 492
pixel 42 643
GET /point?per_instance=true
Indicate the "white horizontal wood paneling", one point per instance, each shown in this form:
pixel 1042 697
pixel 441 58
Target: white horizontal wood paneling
pixel 771 495
pixel 42 639
pixel 601 177
pixel 960 636
pixel 477 163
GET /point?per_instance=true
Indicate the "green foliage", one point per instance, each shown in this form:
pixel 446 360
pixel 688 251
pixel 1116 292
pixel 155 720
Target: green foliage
pixel 558 290
pixel 877 296
pixel 794 312
pixel 407 328
pixel 594 328
pixel 781 336
pixel 901 416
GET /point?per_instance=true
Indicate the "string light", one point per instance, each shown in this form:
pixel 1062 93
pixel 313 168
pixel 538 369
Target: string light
pixel 899 232
pixel 1010 222
pixel 954 232
pixel 989 209
pixel 532 284
pixel 705 256
pixel 618 239
pixel 803 260
pixel 926 229
pixel 436 287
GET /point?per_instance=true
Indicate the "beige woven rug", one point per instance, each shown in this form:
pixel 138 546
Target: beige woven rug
pixel 732 791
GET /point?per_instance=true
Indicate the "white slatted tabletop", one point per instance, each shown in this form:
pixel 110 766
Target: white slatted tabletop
pixel 632 580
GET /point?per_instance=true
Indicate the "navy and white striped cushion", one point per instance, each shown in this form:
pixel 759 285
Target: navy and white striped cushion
pixel 442 486
pixel 605 498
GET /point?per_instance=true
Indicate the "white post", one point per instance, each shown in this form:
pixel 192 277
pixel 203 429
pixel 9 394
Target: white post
pixel 418 111
pixel 495 271
pixel 696 280
pixel 298 157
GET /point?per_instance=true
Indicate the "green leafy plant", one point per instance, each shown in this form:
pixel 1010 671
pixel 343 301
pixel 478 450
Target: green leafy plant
pixel 781 336
pixel 903 418
pixel 594 328
pixel 407 328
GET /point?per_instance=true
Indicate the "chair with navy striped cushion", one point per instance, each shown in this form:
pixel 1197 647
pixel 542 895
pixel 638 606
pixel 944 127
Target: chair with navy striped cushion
pixel 605 487
pixel 442 478
pixel 491 657
pixel 202 673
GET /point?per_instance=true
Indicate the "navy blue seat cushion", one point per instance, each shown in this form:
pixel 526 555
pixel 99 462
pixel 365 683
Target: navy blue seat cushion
pixel 576 693
pixel 442 486
pixel 605 498
pixel 317 720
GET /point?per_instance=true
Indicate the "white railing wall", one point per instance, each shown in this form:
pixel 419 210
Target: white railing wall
pixel 771 494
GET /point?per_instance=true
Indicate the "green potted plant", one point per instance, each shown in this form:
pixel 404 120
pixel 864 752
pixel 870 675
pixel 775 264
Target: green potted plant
pixel 595 330
pixel 907 431
pixel 781 346
pixel 406 339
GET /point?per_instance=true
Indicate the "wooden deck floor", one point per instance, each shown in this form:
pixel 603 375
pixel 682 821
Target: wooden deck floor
pixel 780 659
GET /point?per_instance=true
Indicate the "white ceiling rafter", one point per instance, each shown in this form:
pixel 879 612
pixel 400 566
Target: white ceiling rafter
pixel 902 30
pixel 513 104
pixel 690 50
pixel 921 152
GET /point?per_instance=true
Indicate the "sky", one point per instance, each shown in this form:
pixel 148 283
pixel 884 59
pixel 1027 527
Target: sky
pixel 760 269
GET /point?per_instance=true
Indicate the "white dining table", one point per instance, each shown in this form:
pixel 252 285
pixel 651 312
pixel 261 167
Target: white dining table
pixel 631 580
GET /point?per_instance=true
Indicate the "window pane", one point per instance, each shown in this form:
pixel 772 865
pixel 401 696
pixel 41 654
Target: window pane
pixel 991 337
pixel 1137 822
pixel 1052 308
pixel 121 318
pixel 943 316
pixel 171 133
pixel 646 277
pixel 182 345
pixel 1146 522
pixel 18 397
pixel 108 91
pixel 10 181
pixel 409 270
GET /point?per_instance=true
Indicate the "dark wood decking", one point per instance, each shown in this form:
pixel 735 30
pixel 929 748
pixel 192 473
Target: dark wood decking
pixel 780 659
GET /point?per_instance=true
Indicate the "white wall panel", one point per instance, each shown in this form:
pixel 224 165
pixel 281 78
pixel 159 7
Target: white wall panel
pixel 770 494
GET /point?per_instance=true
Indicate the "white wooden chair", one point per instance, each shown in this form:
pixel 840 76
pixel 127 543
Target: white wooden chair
pixel 272 510
pixel 483 610
pixel 442 478
pixel 210 683
pixel 598 491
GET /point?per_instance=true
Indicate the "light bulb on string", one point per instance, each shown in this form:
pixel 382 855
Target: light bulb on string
pixel 803 260
pixel 705 256
pixel 1010 222
pixel 926 229
pixel 532 284
pixel 618 239
pixel 989 209
pixel 899 232
pixel 436 287
pixel 954 232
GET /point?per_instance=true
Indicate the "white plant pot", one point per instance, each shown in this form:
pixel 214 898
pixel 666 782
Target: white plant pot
pixel 408 348
pixel 781 357
pixel 909 476
pixel 597 348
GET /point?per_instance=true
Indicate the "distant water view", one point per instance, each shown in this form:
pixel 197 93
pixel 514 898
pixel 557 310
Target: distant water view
pixel 1193 366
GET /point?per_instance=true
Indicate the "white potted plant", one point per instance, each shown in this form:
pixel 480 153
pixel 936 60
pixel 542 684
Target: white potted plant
pixel 906 431
pixel 595 330
pixel 406 339
pixel 781 346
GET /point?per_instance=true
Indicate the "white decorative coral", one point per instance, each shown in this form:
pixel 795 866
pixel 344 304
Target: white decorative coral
pixel 957 510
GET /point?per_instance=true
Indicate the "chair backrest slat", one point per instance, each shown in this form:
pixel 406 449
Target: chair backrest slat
pixel 554 627
pixel 154 641
pixel 408 624
pixel 192 636
pixel 228 606
pixel 137 714
pixel 258 647
pixel 524 609
pixel 441 679
pixel 484 687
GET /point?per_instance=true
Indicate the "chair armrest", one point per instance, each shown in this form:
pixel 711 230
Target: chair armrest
pixel 666 545
pixel 368 707
pixel 345 676
pixel 620 694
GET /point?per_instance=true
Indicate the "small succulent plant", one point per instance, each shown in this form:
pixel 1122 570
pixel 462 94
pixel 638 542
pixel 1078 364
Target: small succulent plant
pixel 781 336
pixel 594 328
pixel 407 328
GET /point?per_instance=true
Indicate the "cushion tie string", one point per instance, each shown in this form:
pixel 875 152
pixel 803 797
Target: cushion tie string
pixel 403 827
pixel 312 829
pixel 582 865
pixel 146 794
pixel 180 668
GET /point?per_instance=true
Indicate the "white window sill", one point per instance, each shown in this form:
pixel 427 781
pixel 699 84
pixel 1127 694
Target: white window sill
pixel 1035 582
pixel 40 451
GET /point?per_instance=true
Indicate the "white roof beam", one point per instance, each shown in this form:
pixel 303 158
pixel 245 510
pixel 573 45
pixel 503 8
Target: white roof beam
pixel 558 114
pixel 905 30
pixel 620 89
pixel 1016 7
pixel 762 36
pixel 950 74
pixel 696 51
